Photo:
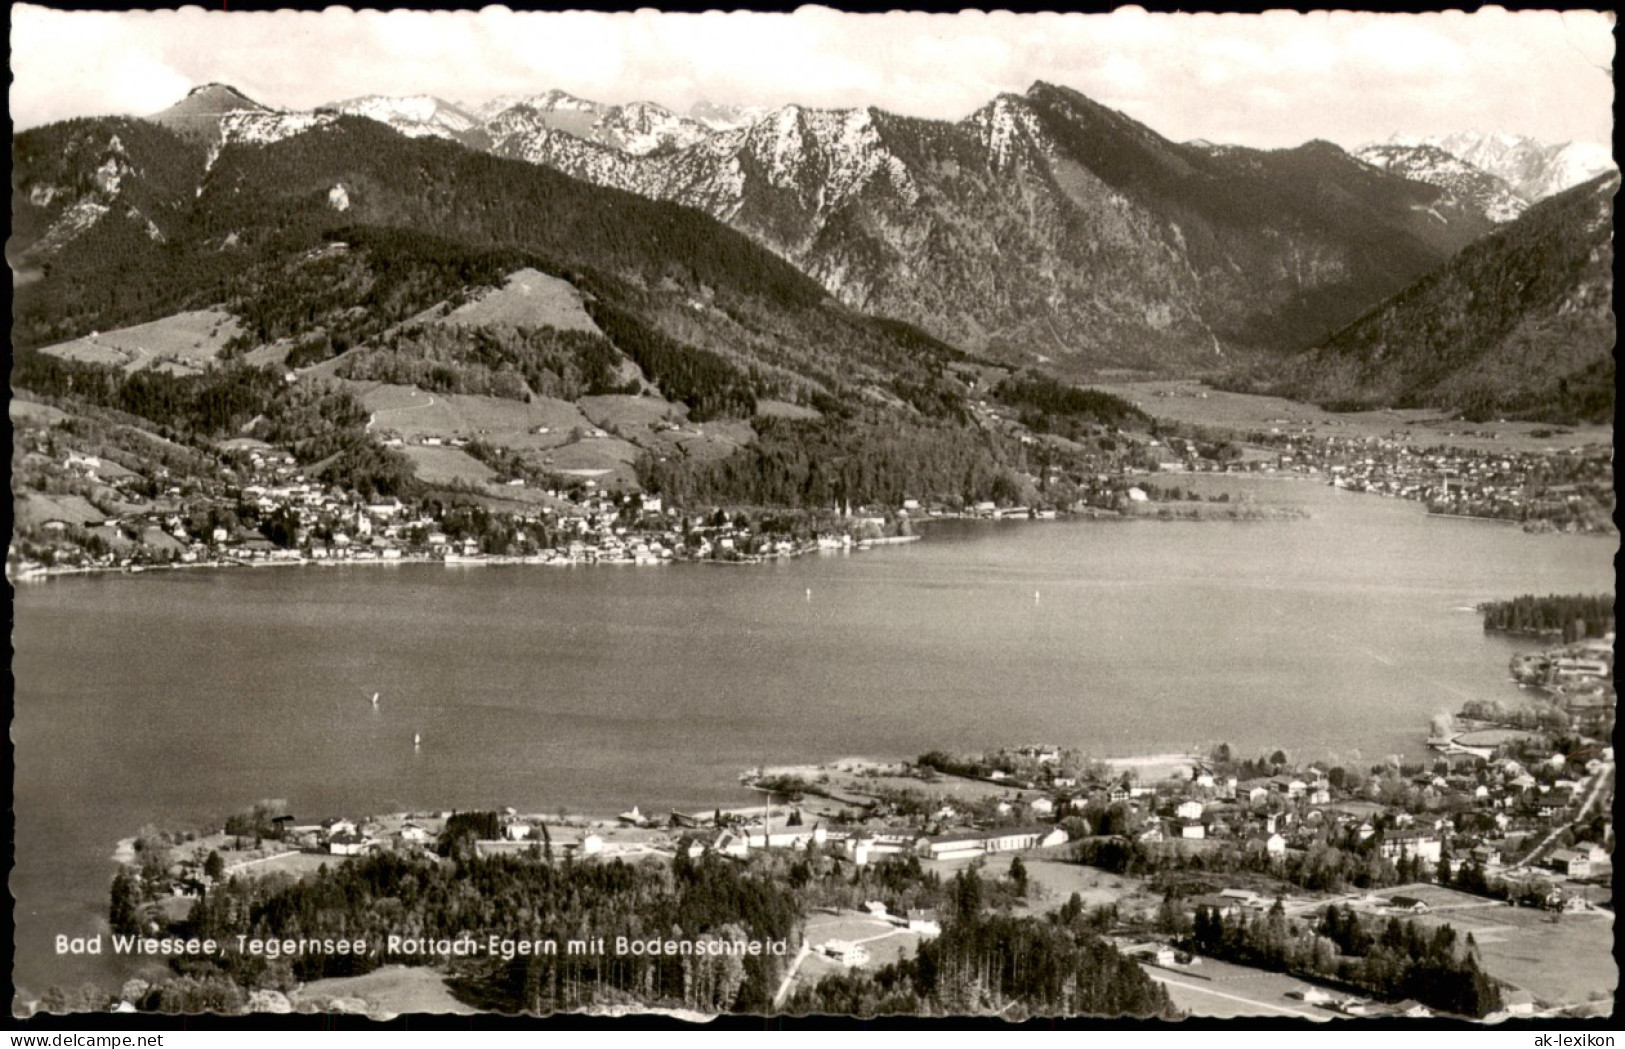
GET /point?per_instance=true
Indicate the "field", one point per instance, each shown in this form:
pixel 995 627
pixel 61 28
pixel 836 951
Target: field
pixel 183 343
pixel 411 413
pixel 529 299
pixel 1189 402
pixel 1566 960
pixel 1056 880
pixel 885 941
pixel 387 991
pixel 786 410
pixel 443 465
pixel 297 864
pixel 1214 988
pixel 30 411
pixel 37 508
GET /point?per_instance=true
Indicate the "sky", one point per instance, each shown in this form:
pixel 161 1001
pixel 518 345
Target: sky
pixel 1272 80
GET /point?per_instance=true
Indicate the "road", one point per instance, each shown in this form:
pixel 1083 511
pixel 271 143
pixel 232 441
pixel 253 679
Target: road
pixel 784 987
pixel 1603 776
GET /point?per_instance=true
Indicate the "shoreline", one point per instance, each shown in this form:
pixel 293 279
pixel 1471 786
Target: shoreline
pixel 44 574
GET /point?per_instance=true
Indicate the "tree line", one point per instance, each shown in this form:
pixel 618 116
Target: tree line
pixel 512 363
pixel 1574 616
pixel 1403 960
pixel 996 964
pixel 875 459
pixel 320 423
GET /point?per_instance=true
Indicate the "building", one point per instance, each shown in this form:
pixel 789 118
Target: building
pixel 1417 844
pixel 923 921
pixel 845 952
pixel 1010 839
pixel 1573 863
pixel 345 845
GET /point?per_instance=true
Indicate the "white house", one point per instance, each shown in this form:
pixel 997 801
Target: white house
pixel 845 952
pixel 345 845
pixel 923 922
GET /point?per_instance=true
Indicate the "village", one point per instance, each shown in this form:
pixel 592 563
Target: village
pixel 83 512
pixel 1569 491
pixel 95 515
pixel 1513 846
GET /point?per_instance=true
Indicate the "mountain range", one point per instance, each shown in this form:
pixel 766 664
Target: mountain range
pixel 1044 228
pixel 1535 170
pixel 1519 323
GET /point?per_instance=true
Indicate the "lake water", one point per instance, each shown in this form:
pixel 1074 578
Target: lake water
pixel 176 697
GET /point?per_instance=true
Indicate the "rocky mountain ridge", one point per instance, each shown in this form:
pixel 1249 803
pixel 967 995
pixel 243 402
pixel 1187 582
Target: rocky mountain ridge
pixel 1535 170
pixel 1043 227
pixel 1518 324
pixel 1424 163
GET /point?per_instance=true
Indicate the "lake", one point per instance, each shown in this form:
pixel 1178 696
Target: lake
pixel 173 698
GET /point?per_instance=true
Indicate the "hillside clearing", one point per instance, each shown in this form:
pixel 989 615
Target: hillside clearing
pixel 388 991
pixel 529 299
pixel 182 343
pixel 446 465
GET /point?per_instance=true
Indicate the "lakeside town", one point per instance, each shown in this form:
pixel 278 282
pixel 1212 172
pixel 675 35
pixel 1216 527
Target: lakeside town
pixel 1502 841
pixel 80 511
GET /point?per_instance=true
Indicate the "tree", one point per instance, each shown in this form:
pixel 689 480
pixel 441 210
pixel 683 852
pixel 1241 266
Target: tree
pixel 121 910
pixel 214 866
pixel 967 894
pixel 1018 875
pixel 1171 920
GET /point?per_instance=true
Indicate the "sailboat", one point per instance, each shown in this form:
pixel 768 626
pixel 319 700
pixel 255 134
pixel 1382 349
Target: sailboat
pixel 417 741
pixel 375 701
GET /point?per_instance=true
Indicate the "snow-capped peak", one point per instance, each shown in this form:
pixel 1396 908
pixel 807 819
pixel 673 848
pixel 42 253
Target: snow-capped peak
pixel 636 128
pixel 1533 169
pixel 413 115
pixel 1465 184
pixel 725 116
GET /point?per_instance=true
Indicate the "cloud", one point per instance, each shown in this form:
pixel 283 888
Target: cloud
pixel 1269 80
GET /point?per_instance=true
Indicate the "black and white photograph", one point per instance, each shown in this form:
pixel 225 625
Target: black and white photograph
pixel 521 516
